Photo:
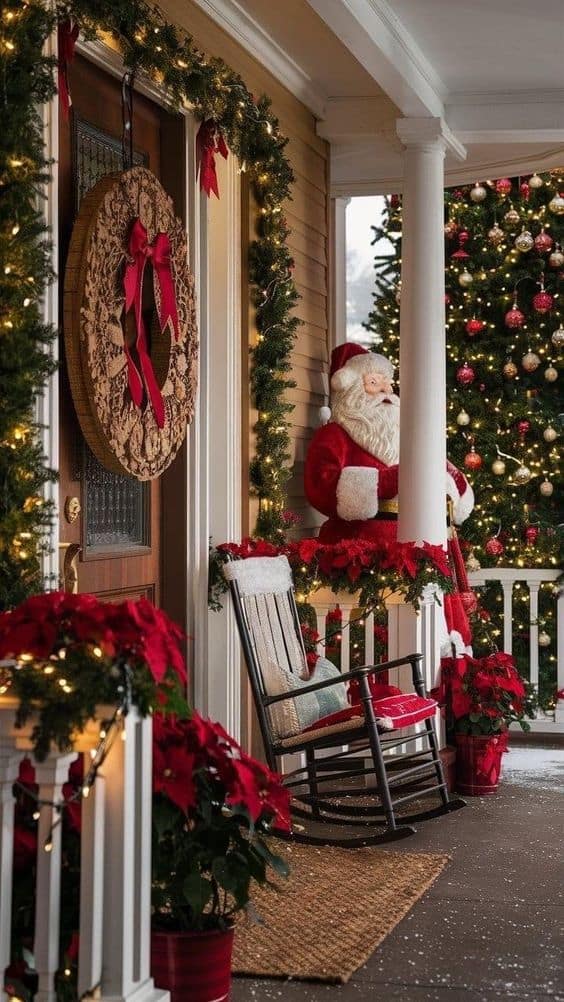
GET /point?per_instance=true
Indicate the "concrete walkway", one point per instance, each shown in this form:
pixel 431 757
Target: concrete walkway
pixel 492 925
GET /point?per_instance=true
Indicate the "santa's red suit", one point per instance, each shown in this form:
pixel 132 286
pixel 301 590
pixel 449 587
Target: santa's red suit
pixel 346 477
pixel 351 470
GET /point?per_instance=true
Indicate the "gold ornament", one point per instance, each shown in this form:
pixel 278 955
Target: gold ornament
pixel 535 181
pixel 498 467
pixel 463 418
pixel 544 639
pixel 465 279
pixel 524 242
pixel 530 361
pixel 512 217
pixel 556 205
pixel 558 337
pixel 551 374
pixel 495 235
pixel 472 562
pixel 550 434
pixel 522 475
pixel 510 370
pixel 546 488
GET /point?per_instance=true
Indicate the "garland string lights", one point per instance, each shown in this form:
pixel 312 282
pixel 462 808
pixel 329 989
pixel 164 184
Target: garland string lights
pixel 149 45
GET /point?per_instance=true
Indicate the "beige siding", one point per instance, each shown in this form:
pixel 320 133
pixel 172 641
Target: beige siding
pixel 307 216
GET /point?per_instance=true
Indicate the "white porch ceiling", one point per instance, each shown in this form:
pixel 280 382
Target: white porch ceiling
pixel 492 69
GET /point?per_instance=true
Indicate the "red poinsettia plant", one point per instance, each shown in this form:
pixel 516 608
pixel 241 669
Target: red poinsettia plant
pixel 212 805
pixel 61 655
pixel 482 695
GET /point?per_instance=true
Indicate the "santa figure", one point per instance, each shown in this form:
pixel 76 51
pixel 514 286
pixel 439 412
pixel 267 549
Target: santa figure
pixel 351 471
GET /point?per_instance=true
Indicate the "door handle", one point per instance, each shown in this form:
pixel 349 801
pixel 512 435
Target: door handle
pixel 70 568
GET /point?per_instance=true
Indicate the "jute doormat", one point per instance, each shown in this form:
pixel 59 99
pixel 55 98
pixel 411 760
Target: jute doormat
pixel 336 907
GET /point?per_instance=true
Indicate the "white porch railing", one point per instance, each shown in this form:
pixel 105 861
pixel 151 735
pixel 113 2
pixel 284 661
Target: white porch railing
pixel 531 579
pixel 408 632
pixel 115 882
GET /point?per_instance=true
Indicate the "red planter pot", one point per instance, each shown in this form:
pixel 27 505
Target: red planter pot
pixel 193 966
pixel 478 763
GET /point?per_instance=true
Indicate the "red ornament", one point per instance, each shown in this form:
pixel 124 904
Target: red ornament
pixel 458 194
pixel 494 547
pixel 394 201
pixel 525 190
pixel 474 326
pixel 531 533
pixel 465 374
pixel 514 317
pixel 472 460
pixel 523 427
pixel 463 238
pixel 543 242
pixel 447 299
pixel 542 302
pixel 503 186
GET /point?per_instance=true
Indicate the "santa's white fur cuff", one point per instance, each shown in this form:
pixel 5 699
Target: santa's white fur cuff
pixel 357 496
pixel 462 505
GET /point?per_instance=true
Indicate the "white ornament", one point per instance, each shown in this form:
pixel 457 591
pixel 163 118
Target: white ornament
pixel 465 279
pixel 550 434
pixel 556 259
pixel 544 639
pixel 463 418
pixel 558 337
pixel 551 374
pixel 524 242
pixel 535 181
pixel 546 488
pixel 478 193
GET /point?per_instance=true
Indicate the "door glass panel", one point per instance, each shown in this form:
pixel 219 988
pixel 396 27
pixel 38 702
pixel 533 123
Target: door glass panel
pixel 116 508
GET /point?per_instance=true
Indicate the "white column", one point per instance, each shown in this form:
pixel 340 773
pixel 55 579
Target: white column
pixel 9 764
pixel 126 973
pixel 50 776
pixel 422 513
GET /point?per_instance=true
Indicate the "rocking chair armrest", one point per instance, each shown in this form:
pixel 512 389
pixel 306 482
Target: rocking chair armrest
pixel 355 673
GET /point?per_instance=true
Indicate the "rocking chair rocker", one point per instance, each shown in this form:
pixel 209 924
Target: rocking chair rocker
pixel 312 716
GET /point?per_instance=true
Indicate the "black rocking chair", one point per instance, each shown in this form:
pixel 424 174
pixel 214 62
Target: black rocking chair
pixel 327 789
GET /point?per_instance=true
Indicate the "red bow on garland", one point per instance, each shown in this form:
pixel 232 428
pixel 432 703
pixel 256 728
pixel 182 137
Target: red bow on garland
pixel 209 141
pixel 67 34
pixel 158 252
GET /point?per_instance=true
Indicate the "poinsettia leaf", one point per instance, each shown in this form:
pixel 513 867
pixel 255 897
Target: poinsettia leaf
pixel 197 892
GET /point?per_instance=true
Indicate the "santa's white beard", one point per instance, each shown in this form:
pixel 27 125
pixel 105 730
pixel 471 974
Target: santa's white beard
pixel 371 422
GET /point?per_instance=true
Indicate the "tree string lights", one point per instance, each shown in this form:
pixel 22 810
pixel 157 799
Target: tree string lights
pixel 504 337
pixel 149 45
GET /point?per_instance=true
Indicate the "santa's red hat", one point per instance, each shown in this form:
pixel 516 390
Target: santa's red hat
pixel 349 361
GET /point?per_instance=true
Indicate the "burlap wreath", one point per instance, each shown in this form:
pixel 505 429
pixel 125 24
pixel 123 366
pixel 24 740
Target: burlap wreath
pixel 125 436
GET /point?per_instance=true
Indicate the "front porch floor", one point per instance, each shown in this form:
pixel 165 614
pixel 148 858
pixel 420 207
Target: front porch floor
pixel 492 925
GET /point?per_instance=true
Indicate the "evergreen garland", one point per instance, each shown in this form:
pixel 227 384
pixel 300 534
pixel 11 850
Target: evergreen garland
pixel 150 45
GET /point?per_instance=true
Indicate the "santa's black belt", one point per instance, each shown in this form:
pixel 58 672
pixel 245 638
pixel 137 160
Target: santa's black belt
pixel 389 516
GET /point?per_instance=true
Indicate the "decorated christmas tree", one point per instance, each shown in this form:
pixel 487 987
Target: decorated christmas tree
pixel 504 336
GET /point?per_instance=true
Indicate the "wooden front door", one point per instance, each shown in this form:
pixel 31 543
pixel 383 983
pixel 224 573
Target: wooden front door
pixel 112 547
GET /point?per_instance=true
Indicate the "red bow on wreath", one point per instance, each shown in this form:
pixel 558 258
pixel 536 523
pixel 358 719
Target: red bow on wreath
pixel 67 34
pixel 158 252
pixel 209 141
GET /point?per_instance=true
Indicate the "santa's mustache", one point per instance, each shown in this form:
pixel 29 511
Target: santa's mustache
pixel 385 398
